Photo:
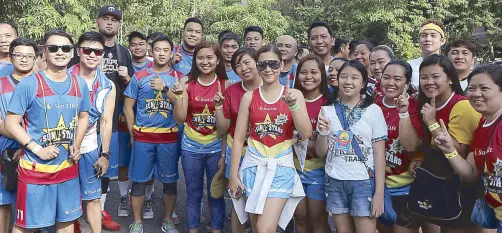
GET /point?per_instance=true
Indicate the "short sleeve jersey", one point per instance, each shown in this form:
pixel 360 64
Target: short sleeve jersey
pixel 7 86
pixel 233 95
pixel 185 65
pixel 290 74
pixel 232 76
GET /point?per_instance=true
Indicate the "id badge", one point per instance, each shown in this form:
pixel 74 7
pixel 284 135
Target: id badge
pixel 343 140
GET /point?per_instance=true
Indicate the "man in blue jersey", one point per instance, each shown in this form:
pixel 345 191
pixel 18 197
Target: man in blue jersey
pixel 289 48
pixel 320 41
pixel 53 107
pixel 95 147
pixel 229 43
pixel 138 47
pixel 154 133
pixel 23 53
pixel 253 37
pixel 192 35
pixel 8 32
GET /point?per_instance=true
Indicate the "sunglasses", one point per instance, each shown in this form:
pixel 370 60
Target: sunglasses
pixel 55 48
pixel 273 64
pixel 88 51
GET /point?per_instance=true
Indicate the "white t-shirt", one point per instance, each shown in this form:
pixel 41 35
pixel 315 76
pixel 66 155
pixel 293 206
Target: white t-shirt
pixel 415 65
pixel 464 84
pixel 371 127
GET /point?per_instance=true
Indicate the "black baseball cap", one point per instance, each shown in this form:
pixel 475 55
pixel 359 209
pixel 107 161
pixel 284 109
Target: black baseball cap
pixel 136 34
pixel 110 10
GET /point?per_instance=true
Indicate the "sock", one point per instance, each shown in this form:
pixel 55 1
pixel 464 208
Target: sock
pixel 123 186
pixel 148 191
pixel 102 201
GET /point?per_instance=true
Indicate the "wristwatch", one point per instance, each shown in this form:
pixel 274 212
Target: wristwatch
pixel 165 89
pixel 107 155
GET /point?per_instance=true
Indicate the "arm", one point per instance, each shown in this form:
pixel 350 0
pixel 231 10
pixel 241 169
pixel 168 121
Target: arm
pixel 379 153
pixel 3 129
pixel 83 121
pixel 129 114
pixel 321 145
pixel 301 116
pixel 408 136
pixel 106 118
pixel 180 104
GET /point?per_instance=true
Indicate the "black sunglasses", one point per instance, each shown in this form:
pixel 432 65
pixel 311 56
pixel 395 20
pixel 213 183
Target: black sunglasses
pixel 273 64
pixel 55 48
pixel 88 51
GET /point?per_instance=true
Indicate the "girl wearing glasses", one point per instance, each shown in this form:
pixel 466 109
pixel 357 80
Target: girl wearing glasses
pixel 269 179
pixel 201 146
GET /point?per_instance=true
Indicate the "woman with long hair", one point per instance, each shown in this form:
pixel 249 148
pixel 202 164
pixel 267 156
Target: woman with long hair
pixel 310 214
pixel 349 118
pixel 201 146
pixel 269 179
pixel 334 66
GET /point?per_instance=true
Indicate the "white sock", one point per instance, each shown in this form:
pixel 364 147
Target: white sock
pixel 102 201
pixel 148 191
pixel 123 186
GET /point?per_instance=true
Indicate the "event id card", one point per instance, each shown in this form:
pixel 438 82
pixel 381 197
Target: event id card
pixel 344 140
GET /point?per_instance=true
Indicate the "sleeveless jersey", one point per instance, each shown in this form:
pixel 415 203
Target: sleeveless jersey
pixel 185 65
pixel 233 95
pixel 397 160
pixel 154 112
pixel 271 127
pixel 291 75
pixel 51 117
pixel 200 133
pixel 493 153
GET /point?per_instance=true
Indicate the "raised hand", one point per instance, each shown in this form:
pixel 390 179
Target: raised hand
pixel 429 112
pixel 443 139
pixel 402 103
pixel 218 98
pixel 289 97
pixel 176 58
pixel 157 84
pixel 323 123
pixel 178 88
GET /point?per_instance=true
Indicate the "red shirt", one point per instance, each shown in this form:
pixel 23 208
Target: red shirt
pixel 233 95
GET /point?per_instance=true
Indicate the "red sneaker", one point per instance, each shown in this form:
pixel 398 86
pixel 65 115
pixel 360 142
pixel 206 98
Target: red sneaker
pixel 108 222
pixel 76 227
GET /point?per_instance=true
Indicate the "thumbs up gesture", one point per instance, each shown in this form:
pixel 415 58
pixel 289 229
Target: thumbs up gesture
pixel 218 98
pixel 289 97
pixel 178 88
pixel 157 83
pixel 429 112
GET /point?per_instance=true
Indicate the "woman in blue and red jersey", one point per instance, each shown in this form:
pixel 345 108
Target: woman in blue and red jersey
pixel 201 146
pixel 227 106
pixel 312 81
pixel 269 179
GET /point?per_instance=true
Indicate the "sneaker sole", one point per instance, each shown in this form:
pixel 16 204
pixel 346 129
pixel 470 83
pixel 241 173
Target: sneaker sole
pixel 123 215
pixel 147 217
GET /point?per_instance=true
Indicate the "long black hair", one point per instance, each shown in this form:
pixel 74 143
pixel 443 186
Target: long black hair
pixel 220 68
pixel 323 86
pixel 367 99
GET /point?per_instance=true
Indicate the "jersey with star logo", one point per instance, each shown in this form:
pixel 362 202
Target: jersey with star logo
pixel 154 112
pixel 200 133
pixel 50 111
pixel 271 126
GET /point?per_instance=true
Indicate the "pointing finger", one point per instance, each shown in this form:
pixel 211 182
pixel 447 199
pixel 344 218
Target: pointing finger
pixel 443 126
pixel 287 83
pixel 433 101
pixel 219 86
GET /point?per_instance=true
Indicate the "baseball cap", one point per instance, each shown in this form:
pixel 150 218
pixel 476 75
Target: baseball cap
pixel 110 10
pixel 219 184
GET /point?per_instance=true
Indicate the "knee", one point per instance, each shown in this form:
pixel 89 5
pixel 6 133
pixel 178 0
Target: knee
pixel 265 228
pixel 138 189
pixel 170 189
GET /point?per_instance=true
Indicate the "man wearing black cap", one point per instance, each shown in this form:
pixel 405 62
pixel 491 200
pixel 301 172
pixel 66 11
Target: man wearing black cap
pixel 117 65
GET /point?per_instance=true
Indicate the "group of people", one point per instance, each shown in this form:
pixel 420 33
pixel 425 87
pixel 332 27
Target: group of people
pixel 298 135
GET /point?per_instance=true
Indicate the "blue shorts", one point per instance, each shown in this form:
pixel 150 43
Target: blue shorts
pixel 124 149
pixel 348 197
pixel 113 164
pixel 282 185
pixel 313 183
pixel 6 197
pixel 228 159
pixel 149 159
pixel 315 191
pixel 90 183
pixel 39 206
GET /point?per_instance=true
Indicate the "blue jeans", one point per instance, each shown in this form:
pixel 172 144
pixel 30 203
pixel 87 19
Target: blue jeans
pixel 348 197
pixel 194 165
pixel 499 229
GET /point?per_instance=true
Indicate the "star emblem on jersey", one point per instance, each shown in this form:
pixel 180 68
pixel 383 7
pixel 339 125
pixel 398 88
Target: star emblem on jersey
pixel 269 128
pixel 204 119
pixel 158 105
pixel 395 148
pixel 59 135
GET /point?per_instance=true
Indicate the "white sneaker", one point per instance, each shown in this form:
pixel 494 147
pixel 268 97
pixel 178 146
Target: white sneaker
pixel 148 209
pixel 123 207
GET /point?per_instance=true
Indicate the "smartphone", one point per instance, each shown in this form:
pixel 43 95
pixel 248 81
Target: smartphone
pixel 238 195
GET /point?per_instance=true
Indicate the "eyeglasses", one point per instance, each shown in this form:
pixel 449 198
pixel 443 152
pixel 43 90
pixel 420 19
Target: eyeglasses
pixel 88 51
pixel 273 64
pixel 55 48
pixel 20 57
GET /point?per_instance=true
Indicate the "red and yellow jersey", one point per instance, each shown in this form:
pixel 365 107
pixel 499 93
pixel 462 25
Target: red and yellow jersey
pixel 233 95
pixel 200 133
pixel 493 153
pixel 271 127
pixel 397 159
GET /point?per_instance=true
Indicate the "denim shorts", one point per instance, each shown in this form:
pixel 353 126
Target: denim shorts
pixel 348 197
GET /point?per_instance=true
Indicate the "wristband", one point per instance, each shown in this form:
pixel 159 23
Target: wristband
pixel 36 149
pixel 451 155
pixel 294 107
pixel 404 115
pixel 434 126
pixel 28 143
pixel 321 133
pixel 218 107
pixel 179 96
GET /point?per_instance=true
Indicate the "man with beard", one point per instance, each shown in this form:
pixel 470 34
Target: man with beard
pixel 8 32
pixel 229 43
pixel 289 48
pixel 138 47
pixel 253 37
pixel 320 41
pixel 192 35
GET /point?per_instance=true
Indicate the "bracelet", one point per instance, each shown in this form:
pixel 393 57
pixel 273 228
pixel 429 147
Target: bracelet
pixel 321 133
pixel 294 107
pixel 404 115
pixel 218 107
pixel 179 96
pixel 451 155
pixel 434 126
pixel 36 149
pixel 28 143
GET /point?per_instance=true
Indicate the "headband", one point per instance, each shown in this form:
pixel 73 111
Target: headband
pixel 434 27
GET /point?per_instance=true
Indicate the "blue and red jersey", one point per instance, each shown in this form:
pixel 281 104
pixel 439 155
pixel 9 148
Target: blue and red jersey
pixel 50 112
pixel 6 89
pixel 148 64
pixel 232 76
pixel 185 65
pixel 291 74
pixel 154 112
